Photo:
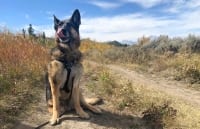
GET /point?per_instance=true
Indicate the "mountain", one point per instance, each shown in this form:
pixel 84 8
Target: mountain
pixel 117 43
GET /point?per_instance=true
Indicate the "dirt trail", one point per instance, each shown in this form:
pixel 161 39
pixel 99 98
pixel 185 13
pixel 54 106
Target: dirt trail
pixel 174 88
pixel 109 119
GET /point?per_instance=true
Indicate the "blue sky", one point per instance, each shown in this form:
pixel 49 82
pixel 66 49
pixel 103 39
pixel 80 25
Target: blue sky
pixel 104 20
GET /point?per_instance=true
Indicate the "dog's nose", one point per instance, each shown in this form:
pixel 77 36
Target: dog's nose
pixel 60 33
pixel 64 31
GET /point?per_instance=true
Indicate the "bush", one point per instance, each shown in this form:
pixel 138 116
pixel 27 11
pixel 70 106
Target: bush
pixel 159 117
pixel 192 44
pixel 190 69
pixel 152 54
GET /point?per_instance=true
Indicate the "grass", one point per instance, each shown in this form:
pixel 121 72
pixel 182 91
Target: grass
pixel 177 58
pixel 158 109
pixel 22 63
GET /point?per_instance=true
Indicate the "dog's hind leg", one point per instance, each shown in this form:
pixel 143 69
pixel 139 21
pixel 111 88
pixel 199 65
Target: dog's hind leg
pixel 76 73
pixel 89 106
pixel 76 99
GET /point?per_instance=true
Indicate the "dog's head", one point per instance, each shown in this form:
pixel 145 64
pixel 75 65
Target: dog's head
pixel 67 31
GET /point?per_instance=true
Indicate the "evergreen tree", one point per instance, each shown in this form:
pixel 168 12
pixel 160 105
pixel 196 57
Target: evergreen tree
pixel 30 30
pixel 24 32
pixel 43 37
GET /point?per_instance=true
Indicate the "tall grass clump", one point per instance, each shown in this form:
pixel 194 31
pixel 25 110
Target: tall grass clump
pixel 187 67
pixel 22 63
pixel 94 50
pixel 20 58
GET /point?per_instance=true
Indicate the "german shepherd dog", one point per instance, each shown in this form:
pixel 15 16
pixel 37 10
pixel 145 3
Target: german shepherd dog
pixel 64 71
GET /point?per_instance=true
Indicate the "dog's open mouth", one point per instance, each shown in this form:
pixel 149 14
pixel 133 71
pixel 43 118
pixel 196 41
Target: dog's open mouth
pixel 62 37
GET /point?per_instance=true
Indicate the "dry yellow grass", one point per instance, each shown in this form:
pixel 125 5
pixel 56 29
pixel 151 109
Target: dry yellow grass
pixel 135 98
pixel 22 63
pixel 88 45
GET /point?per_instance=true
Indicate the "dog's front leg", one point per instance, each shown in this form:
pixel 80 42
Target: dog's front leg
pixel 55 98
pixel 76 99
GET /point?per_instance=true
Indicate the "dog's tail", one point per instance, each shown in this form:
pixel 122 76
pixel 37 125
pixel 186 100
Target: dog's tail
pixel 94 101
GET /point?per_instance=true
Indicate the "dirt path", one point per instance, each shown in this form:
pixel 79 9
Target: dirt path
pixel 109 119
pixel 174 88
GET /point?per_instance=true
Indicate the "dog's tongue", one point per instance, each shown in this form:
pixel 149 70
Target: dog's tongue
pixel 60 33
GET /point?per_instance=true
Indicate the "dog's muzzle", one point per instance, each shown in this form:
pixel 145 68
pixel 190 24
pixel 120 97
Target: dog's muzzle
pixel 63 36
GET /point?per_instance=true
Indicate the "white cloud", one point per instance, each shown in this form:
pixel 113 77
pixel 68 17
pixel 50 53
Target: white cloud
pixel 27 16
pixel 104 4
pixel 50 12
pixel 145 3
pixel 123 27
pixel 118 3
pixel 193 4
pixel 2 24
pixel 48 29
pixel 134 25
pixel 184 20
pixel 182 6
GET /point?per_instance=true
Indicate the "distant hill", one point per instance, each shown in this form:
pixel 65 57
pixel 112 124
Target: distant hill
pixel 116 43
pixel 129 42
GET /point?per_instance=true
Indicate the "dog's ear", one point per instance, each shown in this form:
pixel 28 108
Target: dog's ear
pixel 56 20
pixel 76 18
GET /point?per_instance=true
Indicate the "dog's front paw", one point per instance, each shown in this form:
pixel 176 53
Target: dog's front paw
pixel 54 121
pixel 84 115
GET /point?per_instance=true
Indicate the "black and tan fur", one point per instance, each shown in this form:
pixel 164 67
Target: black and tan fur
pixel 65 70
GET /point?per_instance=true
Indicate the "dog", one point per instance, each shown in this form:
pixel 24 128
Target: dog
pixel 64 72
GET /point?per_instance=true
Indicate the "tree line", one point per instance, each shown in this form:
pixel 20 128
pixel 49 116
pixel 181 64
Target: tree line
pixel 31 34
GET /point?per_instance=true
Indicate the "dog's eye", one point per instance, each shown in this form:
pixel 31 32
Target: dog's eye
pixel 68 24
pixel 60 23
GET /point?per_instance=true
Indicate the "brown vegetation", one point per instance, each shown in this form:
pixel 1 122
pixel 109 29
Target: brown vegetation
pixel 22 63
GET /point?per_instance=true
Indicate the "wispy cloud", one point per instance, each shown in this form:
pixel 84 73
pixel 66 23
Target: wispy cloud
pixel 27 16
pixel 50 12
pixel 133 26
pixel 124 27
pixel 105 4
pixel 145 3
pixel 2 26
pixel 180 6
pixel 184 19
